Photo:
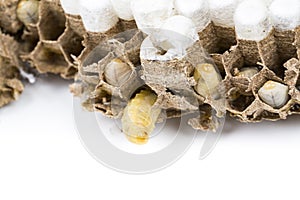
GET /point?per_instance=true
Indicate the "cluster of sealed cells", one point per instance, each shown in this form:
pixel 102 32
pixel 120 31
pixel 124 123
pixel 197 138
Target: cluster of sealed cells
pixel 260 78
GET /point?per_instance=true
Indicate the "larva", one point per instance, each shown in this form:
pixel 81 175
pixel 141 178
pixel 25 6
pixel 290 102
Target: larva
pixel 140 116
pixel 27 11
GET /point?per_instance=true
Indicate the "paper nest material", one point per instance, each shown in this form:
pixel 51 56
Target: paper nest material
pixel 58 43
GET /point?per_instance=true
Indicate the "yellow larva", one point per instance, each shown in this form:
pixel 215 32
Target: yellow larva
pixel 27 11
pixel 140 116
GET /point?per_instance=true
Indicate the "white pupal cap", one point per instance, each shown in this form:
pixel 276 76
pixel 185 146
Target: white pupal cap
pixel 285 14
pixel 176 35
pixel 197 10
pixel 71 6
pixel 222 12
pixel 123 9
pixel 150 14
pixel 252 21
pixel 150 52
pixel 98 15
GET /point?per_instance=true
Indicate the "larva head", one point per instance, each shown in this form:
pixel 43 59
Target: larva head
pixel 28 11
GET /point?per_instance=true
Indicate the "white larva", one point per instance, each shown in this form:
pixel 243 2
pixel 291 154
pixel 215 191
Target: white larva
pixel 247 72
pixel 274 93
pixel 28 11
pixel 208 80
pixel 117 72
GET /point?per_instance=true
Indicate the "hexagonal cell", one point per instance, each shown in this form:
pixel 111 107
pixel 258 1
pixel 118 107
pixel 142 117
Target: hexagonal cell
pixel 48 58
pixel 96 55
pixel 92 40
pixel 217 39
pixel 71 44
pixel 104 101
pixel 30 39
pixel 129 43
pixel 52 21
pixel 285 45
pixel 241 102
pixel 245 71
pixel 102 87
pixel 264 51
pixel 226 38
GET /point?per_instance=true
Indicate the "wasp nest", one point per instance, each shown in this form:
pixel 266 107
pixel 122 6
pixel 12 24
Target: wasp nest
pixel 189 57
pixel 185 56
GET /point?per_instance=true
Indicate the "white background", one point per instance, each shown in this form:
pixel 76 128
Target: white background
pixel 41 157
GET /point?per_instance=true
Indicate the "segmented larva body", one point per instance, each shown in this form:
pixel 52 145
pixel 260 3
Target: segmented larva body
pixel 140 116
